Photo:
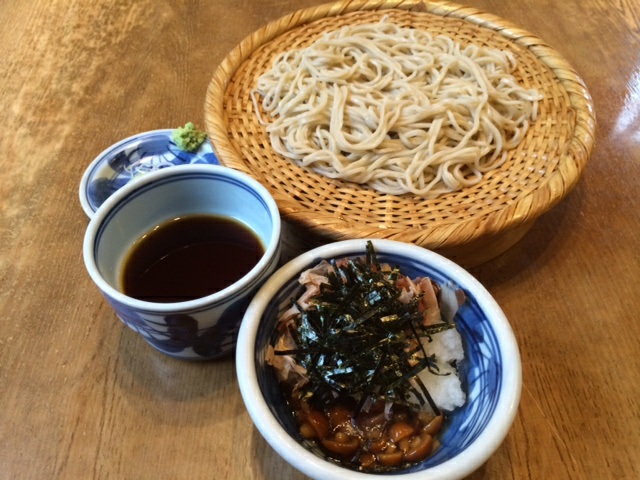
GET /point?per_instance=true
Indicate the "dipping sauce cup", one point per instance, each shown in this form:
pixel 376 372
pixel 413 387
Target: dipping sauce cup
pixel 196 329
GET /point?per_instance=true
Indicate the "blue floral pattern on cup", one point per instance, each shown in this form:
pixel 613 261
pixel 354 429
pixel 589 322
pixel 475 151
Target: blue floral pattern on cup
pixel 175 334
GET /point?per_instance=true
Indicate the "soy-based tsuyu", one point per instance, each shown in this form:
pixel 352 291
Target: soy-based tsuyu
pixel 189 257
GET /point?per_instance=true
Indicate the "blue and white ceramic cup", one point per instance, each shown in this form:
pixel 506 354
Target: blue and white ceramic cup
pixel 200 329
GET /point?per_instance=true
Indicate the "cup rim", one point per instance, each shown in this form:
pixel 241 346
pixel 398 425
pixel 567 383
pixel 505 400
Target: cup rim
pixel 271 247
pixel 307 462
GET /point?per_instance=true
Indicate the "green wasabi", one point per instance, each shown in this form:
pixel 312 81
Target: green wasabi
pixel 189 138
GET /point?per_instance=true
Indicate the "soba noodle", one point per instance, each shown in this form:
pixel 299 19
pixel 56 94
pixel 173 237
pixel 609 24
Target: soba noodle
pixel 395 108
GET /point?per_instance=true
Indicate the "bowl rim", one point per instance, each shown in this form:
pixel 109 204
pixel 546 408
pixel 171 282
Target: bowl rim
pixel 271 248
pixel 307 462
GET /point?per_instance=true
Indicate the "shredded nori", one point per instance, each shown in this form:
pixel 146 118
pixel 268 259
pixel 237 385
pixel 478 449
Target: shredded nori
pixel 357 338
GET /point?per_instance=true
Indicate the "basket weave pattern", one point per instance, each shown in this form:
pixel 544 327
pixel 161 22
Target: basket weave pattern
pixel 489 216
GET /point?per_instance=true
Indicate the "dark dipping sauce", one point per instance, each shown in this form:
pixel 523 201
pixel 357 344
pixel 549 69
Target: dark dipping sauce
pixel 188 258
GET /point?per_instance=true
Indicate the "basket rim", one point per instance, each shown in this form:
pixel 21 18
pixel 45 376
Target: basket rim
pixel 522 211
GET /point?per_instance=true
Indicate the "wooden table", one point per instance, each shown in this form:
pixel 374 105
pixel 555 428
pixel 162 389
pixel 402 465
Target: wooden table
pixel 82 396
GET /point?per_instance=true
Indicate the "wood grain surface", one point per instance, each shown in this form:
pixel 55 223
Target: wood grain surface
pixel 82 396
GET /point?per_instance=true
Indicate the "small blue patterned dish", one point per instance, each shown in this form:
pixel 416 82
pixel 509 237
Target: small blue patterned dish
pixel 490 373
pixel 132 157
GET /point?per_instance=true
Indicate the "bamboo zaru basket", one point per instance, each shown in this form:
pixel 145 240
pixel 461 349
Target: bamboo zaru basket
pixel 470 226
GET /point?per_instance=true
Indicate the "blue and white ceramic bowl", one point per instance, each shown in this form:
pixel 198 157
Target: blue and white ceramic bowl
pixel 490 373
pixel 199 329
pixel 131 158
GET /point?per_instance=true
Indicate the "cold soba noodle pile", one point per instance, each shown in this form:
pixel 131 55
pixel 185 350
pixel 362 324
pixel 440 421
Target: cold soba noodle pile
pixel 395 108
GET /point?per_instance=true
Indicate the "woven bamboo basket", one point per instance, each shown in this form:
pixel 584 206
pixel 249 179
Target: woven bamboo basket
pixel 470 226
